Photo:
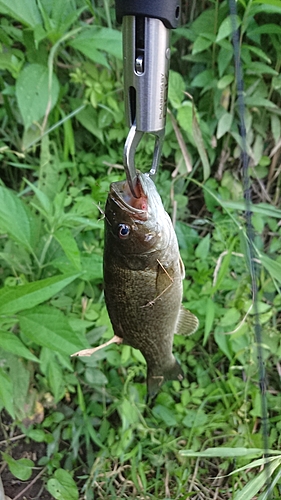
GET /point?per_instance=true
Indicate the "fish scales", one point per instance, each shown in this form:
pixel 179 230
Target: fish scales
pixel 137 314
pixel 143 275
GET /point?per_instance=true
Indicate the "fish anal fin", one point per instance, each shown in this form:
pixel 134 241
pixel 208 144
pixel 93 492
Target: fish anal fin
pixel 187 322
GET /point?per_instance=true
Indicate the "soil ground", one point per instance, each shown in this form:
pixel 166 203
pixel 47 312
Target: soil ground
pixel 15 489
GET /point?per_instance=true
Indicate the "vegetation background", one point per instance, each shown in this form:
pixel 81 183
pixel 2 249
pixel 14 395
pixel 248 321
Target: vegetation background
pixel 79 428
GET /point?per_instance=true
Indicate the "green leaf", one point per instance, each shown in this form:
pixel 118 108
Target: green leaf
pixel 266 29
pixel 230 317
pixel 273 267
pixel 224 124
pixel 42 197
pixel 89 119
pixel 160 411
pixel 266 6
pixel 256 67
pixel 195 419
pixel 275 128
pixel 37 435
pixel 187 236
pixel 6 393
pixel 55 378
pixel 225 56
pixel 16 219
pixel 20 377
pixel 205 22
pixel 96 377
pixel 176 89
pixel 48 327
pixel 224 267
pixel 184 117
pixel 197 134
pixel 203 79
pixel 228 25
pixel 209 320
pixel 62 486
pixel 203 248
pixel 210 188
pixel 259 208
pixel 223 343
pixel 95 39
pixel 128 414
pixel 105 118
pixel 224 452
pixel 255 484
pixel 92 266
pixel 24 11
pixel 10 62
pixel 273 481
pixel 67 242
pixel 59 16
pixel 93 433
pixel 11 343
pixel 275 3
pixel 33 94
pixel 257 51
pixel 15 299
pixel 225 81
pixel 201 43
pixel 22 468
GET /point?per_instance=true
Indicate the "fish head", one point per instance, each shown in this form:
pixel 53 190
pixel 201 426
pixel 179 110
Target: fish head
pixel 136 226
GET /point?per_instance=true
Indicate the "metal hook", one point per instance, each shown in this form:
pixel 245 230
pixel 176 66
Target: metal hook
pixel 131 144
pixel 159 139
pixel 130 147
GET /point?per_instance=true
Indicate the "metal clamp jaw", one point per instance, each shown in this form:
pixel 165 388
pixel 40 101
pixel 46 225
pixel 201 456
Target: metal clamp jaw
pixel 146 57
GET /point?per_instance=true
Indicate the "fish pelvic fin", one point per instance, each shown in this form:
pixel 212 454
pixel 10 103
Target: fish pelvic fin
pixel 155 379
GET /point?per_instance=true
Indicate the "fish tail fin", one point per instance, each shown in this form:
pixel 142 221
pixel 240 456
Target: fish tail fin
pixel 156 379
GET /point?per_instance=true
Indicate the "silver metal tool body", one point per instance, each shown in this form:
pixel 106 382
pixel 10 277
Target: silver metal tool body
pixel 146 73
pixel 146 58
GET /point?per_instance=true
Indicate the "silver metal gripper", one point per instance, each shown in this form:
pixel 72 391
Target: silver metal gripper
pixel 146 56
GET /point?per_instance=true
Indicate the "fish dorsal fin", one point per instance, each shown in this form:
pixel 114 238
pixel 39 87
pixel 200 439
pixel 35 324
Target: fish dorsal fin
pixel 187 322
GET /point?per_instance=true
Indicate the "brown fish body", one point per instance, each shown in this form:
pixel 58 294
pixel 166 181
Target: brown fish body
pixel 143 275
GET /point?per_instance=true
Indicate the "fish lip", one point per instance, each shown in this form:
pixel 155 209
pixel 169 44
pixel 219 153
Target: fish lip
pixel 117 196
pixel 142 214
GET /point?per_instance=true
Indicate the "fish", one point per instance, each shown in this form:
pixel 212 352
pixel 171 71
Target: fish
pixel 143 275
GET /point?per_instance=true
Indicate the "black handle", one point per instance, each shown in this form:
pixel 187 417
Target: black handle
pixel 168 11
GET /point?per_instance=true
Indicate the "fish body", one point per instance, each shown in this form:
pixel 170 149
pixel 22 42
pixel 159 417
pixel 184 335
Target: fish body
pixel 143 274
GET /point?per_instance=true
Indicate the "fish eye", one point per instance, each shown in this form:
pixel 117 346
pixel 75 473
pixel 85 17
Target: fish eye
pixel 124 231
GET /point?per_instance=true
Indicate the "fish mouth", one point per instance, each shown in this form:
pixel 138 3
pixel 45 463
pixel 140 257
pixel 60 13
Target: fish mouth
pixel 121 194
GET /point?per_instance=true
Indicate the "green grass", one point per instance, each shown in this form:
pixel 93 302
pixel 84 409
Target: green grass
pixel 201 439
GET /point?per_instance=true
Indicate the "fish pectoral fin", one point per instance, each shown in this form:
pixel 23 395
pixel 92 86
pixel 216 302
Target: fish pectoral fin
pixel 88 352
pixel 187 322
pixel 164 277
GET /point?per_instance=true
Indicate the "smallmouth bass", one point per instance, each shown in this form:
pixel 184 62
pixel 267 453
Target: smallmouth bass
pixel 143 274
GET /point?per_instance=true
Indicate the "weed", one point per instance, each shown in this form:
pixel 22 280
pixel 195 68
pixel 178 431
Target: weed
pixel 62 135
